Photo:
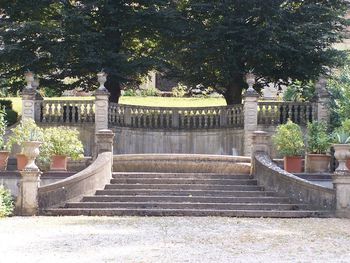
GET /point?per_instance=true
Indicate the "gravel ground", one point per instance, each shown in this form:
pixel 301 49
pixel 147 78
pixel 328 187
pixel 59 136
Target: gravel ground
pixel 173 239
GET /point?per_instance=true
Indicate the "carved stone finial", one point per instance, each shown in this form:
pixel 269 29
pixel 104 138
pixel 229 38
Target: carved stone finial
pixel 102 78
pixel 29 77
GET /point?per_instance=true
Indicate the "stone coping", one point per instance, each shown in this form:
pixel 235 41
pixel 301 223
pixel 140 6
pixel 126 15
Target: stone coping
pixel 182 157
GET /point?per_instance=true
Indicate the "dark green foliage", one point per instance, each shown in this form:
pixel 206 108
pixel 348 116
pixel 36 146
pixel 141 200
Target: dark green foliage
pixel 11 117
pixel 7 104
pixel 6 202
pixel 300 92
pixel 59 39
pixel 216 43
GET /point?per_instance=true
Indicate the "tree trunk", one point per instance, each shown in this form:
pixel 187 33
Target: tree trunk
pixel 113 87
pixel 233 93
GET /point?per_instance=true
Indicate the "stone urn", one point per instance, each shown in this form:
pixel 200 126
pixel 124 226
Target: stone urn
pixel 342 153
pixel 35 83
pixel 102 78
pixel 31 150
pixel 250 79
pixel 29 77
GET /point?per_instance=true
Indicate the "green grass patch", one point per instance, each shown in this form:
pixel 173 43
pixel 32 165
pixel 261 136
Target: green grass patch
pixel 141 101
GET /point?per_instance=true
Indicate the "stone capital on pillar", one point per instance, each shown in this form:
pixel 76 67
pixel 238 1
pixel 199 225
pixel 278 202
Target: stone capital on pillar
pixel 104 141
pixel 27 199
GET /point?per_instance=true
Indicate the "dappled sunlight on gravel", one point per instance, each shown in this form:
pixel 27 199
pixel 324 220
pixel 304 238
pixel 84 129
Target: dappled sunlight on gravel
pixel 173 239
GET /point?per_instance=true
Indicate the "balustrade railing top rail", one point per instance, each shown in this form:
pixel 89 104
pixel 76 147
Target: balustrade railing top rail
pixel 65 111
pixel 175 118
pixel 274 113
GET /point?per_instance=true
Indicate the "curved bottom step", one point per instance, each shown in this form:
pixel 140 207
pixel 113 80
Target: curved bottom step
pixel 184 212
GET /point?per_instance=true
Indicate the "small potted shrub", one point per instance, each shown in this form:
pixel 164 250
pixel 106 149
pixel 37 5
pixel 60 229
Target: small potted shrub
pixel 4 154
pixel 288 140
pixel 317 144
pixel 61 143
pixel 25 131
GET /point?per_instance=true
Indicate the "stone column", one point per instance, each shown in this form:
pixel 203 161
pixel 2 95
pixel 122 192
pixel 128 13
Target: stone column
pixel 104 141
pixel 250 109
pixel 27 199
pixel 260 144
pixel 30 98
pixel 322 100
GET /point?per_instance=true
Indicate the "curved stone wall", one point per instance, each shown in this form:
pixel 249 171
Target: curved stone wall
pixel 181 163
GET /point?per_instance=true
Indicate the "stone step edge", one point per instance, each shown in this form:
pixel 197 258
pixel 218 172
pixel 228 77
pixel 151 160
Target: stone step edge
pixel 189 212
pixel 161 173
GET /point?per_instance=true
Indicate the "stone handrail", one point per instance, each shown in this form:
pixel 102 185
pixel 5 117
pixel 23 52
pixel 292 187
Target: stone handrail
pixel 190 163
pixel 273 178
pixel 65 112
pixel 175 118
pixel 73 188
pixel 275 113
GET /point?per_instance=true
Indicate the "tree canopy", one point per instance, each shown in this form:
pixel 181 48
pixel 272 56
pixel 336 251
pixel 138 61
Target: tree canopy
pixel 279 41
pixel 213 43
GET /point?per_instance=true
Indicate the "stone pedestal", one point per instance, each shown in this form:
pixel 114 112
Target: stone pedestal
pixel 104 141
pixel 341 182
pixel 101 110
pixel 250 119
pixel 27 199
pixel 28 103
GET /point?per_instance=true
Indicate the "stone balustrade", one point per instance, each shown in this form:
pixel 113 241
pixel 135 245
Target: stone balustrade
pixel 175 118
pixel 275 113
pixel 65 111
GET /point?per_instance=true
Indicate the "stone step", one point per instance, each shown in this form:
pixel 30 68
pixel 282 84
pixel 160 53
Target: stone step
pixel 183 181
pixel 185 192
pixel 191 205
pixel 173 199
pixel 185 187
pixel 181 175
pixel 183 212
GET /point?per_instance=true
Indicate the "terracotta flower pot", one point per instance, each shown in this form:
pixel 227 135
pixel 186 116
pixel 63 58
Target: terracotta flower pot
pixel 293 164
pixel 317 163
pixel 21 161
pixel 58 163
pixel 4 156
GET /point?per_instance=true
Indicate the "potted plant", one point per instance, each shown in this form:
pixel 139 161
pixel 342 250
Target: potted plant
pixel 25 131
pixel 288 140
pixel 342 148
pixel 317 144
pixel 60 143
pixel 4 154
pixel 341 135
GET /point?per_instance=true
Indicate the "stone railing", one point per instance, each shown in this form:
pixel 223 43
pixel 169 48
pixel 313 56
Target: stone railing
pixel 175 118
pixel 275 113
pixel 65 111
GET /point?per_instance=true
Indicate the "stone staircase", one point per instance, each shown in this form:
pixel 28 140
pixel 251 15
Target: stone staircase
pixel 185 194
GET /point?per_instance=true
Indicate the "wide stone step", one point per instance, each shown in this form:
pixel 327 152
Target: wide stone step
pixel 184 187
pixel 191 205
pixel 181 175
pixel 183 181
pixel 183 212
pixel 185 192
pixel 173 199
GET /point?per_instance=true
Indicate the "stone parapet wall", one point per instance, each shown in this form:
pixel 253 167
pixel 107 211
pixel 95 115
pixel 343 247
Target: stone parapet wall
pixel 273 178
pixel 86 182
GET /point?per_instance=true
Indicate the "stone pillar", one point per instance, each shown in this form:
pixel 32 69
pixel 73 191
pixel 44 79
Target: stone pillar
pixel 104 141
pixel 341 181
pixel 260 144
pixel 31 100
pixel 250 109
pixel 27 199
pixel 322 100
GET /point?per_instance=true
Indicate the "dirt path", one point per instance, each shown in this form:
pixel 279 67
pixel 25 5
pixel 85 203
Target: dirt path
pixel 136 239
